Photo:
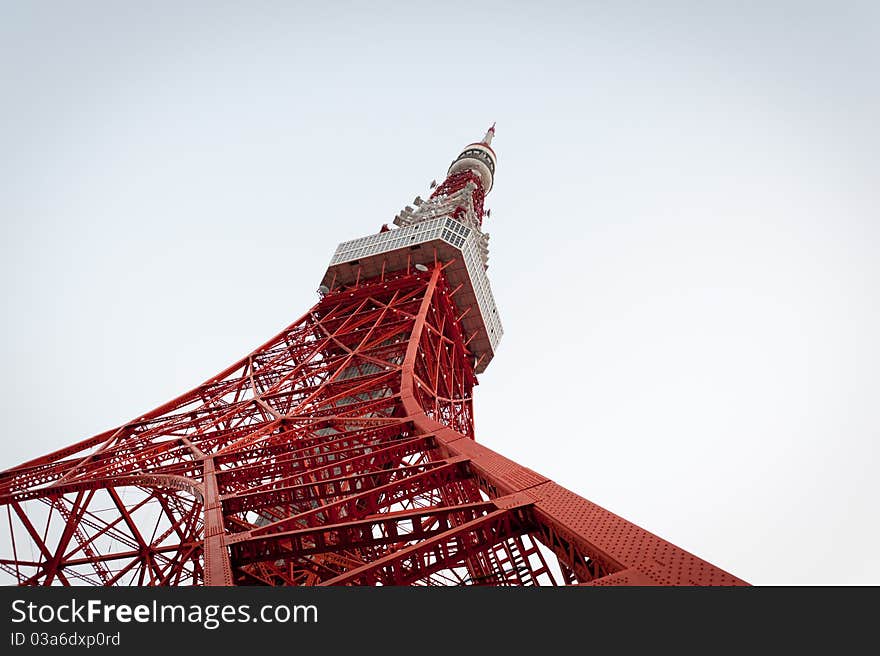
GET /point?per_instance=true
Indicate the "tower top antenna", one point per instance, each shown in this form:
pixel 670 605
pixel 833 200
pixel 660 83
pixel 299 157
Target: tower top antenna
pixel 489 134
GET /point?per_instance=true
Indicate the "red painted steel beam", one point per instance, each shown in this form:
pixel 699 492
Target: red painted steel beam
pixel 371 501
pixel 393 528
pixel 306 494
pixel 438 552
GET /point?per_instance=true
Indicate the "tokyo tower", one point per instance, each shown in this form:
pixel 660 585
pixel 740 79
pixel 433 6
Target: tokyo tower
pixel 340 452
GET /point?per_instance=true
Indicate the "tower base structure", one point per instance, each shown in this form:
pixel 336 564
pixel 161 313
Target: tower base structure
pixel 340 452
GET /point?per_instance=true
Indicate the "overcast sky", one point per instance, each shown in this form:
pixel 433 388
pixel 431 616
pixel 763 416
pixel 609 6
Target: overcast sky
pixel 685 233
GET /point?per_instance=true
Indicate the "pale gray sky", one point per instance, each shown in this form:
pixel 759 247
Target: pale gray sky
pixel 684 232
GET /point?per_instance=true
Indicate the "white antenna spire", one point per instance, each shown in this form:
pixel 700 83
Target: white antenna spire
pixel 489 134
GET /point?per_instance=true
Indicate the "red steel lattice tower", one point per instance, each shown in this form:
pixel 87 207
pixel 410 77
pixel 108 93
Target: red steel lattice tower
pixel 340 452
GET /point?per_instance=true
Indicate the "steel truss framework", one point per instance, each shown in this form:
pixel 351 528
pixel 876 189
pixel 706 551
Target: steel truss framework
pixel 340 452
